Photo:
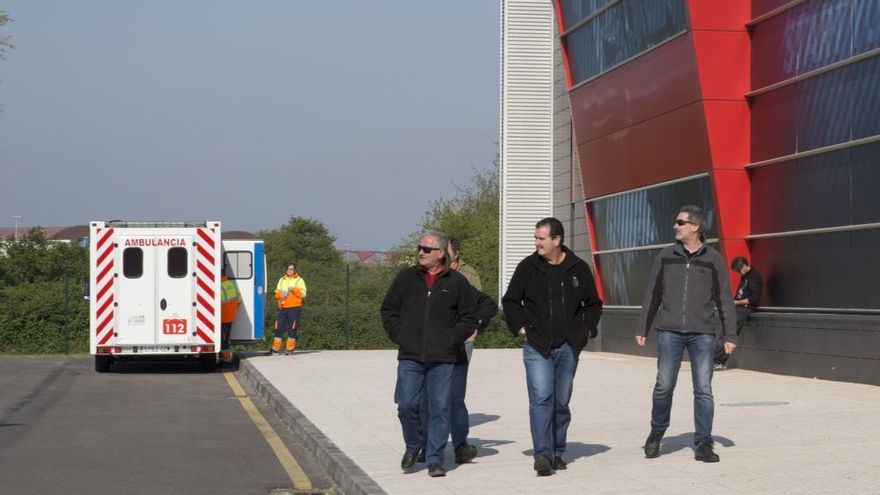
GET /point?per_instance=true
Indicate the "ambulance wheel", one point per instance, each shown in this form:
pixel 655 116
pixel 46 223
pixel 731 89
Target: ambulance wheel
pixel 208 361
pixel 102 363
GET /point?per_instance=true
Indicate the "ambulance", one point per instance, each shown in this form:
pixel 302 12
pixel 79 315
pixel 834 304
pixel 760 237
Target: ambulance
pixel 155 290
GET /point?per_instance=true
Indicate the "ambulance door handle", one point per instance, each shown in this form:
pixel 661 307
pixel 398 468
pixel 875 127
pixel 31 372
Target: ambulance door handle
pixel 163 304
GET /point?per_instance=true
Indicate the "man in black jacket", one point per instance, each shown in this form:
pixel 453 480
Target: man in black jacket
pixel 746 299
pixel 552 304
pixel 688 284
pixel 429 311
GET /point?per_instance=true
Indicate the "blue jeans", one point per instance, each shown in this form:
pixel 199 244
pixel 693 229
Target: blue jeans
pixel 459 422
pixel 549 381
pixel 670 348
pixel 416 380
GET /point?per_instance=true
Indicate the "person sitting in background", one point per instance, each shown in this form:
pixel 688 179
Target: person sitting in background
pixel 746 299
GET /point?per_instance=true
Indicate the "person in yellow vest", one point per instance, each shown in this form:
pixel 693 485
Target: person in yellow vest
pixel 290 292
pixel 229 302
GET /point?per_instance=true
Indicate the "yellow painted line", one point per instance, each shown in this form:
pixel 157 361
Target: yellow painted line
pixel 294 471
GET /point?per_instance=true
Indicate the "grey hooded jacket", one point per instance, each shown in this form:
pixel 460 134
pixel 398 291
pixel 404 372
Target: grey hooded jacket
pixel 685 293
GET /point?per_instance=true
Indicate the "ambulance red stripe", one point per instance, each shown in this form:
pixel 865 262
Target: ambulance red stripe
pixel 205 303
pixel 204 319
pixel 105 271
pixel 103 256
pixel 205 253
pixel 104 307
pixel 205 287
pixel 104 323
pixel 204 336
pixel 206 237
pixel 107 235
pixel 105 289
pixel 205 270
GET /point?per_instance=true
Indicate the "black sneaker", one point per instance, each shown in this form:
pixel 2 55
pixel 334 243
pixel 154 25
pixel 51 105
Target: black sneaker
pixel 559 464
pixel 465 453
pixel 421 457
pixel 706 453
pixel 408 461
pixel 652 444
pixel 544 466
pixel 436 470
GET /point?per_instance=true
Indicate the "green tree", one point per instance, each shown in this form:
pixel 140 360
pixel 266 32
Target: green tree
pixel 33 272
pixel 5 44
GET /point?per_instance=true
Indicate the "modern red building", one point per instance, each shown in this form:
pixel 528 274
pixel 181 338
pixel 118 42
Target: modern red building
pixel 767 114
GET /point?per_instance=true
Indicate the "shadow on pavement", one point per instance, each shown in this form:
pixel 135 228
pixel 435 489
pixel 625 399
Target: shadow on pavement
pixel 686 441
pixel 577 450
pixel 478 419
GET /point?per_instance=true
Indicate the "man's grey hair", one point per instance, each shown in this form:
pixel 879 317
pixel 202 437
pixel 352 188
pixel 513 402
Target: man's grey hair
pixel 442 240
pixel 696 216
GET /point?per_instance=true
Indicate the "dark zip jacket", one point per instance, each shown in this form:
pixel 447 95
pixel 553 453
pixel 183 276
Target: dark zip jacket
pixel 429 326
pixel 685 293
pixel 527 302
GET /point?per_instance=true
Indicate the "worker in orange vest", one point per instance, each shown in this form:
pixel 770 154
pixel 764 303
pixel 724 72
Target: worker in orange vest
pixel 229 302
pixel 290 292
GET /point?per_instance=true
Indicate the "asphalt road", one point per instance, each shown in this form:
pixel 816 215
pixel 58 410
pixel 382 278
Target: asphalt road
pixel 143 428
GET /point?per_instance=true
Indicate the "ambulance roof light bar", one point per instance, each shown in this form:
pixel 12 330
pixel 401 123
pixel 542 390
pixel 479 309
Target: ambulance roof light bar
pixel 125 224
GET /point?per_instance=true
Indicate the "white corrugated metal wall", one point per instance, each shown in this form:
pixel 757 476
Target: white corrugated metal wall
pixel 527 32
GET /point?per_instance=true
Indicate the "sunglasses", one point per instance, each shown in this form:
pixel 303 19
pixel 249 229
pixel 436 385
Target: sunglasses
pixel 682 223
pixel 427 249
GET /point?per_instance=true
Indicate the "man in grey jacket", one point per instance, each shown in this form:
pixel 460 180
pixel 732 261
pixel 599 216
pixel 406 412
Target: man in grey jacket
pixel 689 284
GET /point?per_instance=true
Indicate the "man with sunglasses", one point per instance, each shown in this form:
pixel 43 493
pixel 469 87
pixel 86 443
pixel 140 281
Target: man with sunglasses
pixel 429 311
pixel 552 304
pixel 688 285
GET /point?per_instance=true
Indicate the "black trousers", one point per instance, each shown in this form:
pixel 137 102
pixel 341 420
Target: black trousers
pixel 742 316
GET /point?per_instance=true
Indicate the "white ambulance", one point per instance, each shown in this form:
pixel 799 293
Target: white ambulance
pixel 155 290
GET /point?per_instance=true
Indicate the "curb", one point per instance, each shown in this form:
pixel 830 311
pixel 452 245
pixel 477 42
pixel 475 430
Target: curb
pixel 347 475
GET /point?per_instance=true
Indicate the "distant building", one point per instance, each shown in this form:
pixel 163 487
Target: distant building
pixel 363 257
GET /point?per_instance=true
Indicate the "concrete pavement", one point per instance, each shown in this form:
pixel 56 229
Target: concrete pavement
pixel 775 434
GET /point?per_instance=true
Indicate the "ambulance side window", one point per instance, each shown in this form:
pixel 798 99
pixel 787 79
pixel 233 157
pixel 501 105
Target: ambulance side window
pixel 177 265
pixel 239 265
pixel 133 262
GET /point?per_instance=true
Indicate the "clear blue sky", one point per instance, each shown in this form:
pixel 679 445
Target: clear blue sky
pixel 356 113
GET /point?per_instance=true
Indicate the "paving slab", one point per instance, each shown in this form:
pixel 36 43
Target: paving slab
pixel 775 434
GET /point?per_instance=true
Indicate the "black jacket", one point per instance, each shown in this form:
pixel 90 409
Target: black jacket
pixel 750 287
pixel 527 302
pixel 429 327
pixel 485 310
pixel 685 294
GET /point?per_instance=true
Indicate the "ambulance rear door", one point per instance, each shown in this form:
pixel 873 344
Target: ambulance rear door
pixel 245 264
pixel 155 288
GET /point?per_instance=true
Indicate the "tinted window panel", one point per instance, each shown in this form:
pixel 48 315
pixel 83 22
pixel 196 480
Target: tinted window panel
pixel 774 52
pixel 824 116
pixel 773 117
pixel 837 270
pixel 133 262
pixel 831 108
pixel 575 10
pixel 620 32
pixel 625 276
pixel 866 25
pixel 177 262
pixel 828 190
pixel 866 184
pixel 644 217
pixel 866 97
